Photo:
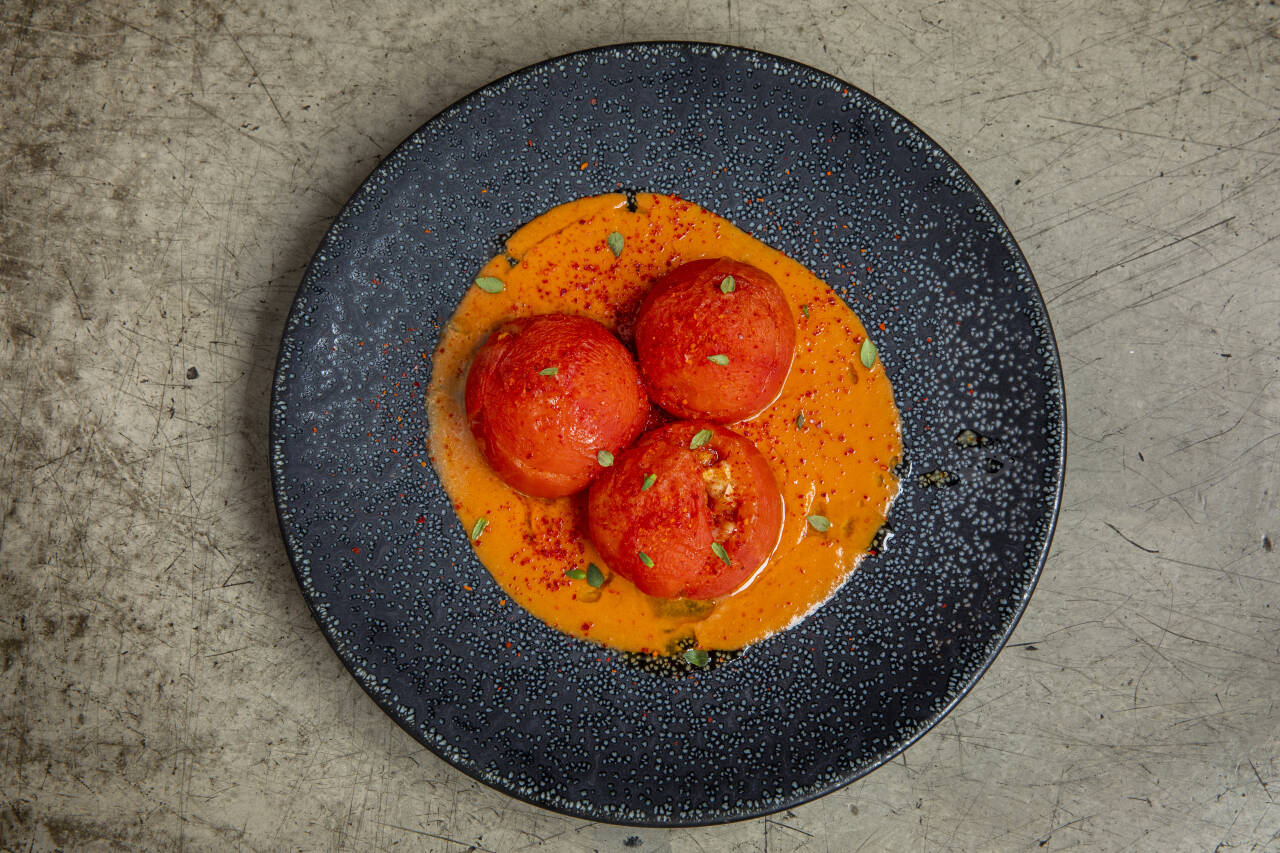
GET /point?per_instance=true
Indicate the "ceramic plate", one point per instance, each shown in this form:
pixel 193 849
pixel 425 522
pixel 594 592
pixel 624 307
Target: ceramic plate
pixel 562 723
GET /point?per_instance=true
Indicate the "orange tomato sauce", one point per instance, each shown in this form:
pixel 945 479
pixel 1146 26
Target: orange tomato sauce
pixel 837 461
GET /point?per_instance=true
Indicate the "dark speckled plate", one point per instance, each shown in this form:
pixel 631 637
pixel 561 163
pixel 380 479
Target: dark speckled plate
pixel 565 724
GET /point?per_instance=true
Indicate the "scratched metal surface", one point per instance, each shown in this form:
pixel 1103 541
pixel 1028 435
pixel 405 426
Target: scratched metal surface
pixel 167 171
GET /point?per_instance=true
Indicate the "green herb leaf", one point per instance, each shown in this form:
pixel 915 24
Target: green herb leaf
pixel 720 359
pixel 605 458
pixel 649 480
pixel 489 284
pixel 700 438
pixel 595 577
pixel 800 421
pixel 549 371
pixel 697 657
pixel 721 553
pixel 728 285
pixel 645 558
pixel 616 241
pixel 804 309
pixel 820 523
pixel 868 354
pixel 576 574
pixel 478 527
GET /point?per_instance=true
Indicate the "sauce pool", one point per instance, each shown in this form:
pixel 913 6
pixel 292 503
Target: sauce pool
pixel 832 436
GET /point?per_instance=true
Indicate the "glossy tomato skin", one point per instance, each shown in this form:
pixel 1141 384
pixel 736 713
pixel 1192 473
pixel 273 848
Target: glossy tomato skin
pixel 721 492
pixel 686 319
pixel 546 394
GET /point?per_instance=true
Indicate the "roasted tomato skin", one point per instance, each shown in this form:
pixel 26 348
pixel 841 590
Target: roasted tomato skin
pixel 546 394
pixel 720 492
pixel 686 318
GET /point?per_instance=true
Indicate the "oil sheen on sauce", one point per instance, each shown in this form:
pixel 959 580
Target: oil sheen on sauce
pixel 832 437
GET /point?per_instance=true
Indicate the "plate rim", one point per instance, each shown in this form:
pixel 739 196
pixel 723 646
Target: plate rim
pixel 726 816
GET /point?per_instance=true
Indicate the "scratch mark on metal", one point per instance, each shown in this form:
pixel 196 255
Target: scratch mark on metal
pixel 1130 541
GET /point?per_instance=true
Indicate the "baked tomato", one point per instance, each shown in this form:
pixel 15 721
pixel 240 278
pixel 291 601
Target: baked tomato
pixel 690 510
pixel 546 395
pixel 715 339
